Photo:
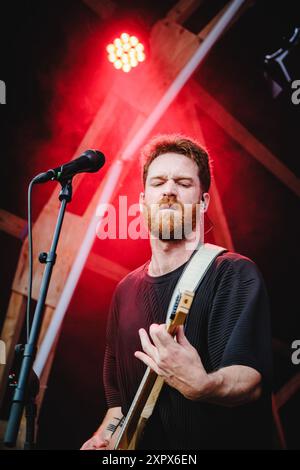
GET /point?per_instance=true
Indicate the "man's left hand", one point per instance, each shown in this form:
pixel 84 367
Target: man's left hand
pixel 178 362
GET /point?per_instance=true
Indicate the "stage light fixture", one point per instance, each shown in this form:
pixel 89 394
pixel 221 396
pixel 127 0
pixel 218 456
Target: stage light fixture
pixel 126 52
pixel 282 66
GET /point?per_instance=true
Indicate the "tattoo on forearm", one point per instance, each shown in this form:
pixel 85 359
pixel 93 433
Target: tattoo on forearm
pixel 113 427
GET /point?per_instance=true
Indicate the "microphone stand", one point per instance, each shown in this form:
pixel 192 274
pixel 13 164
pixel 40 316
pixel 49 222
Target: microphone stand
pixel 28 384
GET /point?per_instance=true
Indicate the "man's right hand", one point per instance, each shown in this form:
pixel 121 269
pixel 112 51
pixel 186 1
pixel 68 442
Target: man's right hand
pixel 103 438
pixel 96 442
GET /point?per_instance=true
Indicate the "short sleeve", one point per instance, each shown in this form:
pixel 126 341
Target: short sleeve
pixel 110 379
pixel 239 331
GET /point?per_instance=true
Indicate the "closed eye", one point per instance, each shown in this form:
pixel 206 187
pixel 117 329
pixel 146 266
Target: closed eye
pixel 186 183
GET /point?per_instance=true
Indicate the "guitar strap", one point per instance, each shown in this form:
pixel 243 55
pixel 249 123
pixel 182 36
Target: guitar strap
pixel 194 272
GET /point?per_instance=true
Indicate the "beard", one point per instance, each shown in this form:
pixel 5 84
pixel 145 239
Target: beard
pixel 170 220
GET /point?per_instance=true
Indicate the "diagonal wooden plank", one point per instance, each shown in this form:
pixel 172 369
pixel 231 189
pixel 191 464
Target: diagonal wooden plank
pixel 241 135
pixel 287 391
pixel 103 8
pixel 216 212
pixel 204 32
pixel 105 267
pixel 278 425
pixel 12 224
pixel 11 333
pixel 182 10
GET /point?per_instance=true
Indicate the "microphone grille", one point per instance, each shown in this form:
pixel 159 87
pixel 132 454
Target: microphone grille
pixel 96 159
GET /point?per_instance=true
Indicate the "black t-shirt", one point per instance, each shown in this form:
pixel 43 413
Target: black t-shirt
pixel 228 324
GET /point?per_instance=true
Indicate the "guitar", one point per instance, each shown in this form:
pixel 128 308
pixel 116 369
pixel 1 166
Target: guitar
pixel 149 389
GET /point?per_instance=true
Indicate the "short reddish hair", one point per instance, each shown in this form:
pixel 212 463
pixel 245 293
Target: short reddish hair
pixel 183 145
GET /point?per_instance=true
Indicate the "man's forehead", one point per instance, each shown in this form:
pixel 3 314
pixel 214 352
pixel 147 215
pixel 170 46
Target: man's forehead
pixel 172 164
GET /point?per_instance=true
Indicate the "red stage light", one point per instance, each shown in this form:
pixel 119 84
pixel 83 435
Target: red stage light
pixel 125 52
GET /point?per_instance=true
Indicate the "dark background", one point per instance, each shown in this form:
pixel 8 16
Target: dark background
pixel 56 74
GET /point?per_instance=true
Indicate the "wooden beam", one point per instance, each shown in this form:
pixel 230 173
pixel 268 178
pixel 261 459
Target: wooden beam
pixel 10 334
pixel 12 224
pixel 103 8
pixel 43 380
pixel 102 125
pixel 204 32
pixel 241 135
pixel 170 33
pixel 135 126
pixel 20 438
pixel 183 10
pixel 47 369
pixel 281 348
pixel 47 316
pixel 222 235
pixel 105 267
pixel 278 425
pixel 287 391
pixel 42 232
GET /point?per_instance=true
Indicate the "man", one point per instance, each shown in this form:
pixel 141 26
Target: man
pixel 218 371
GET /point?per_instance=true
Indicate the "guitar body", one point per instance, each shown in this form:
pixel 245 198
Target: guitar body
pixel 137 435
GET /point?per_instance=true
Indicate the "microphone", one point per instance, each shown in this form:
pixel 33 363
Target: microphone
pixel 90 161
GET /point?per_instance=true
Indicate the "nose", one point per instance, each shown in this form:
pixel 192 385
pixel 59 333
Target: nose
pixel 170 188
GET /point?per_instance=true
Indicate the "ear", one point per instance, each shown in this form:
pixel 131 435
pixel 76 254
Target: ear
pixel 205 201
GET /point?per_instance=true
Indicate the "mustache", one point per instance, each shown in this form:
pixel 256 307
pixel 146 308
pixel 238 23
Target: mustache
pixel 169 201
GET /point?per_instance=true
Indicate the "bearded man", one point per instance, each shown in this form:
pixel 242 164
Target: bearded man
pixel 217 374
